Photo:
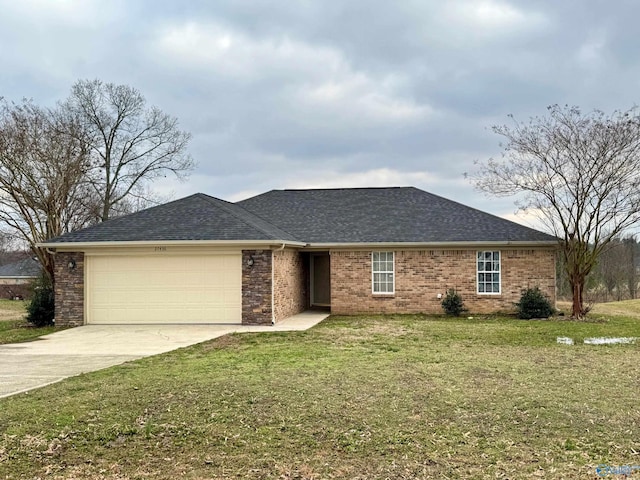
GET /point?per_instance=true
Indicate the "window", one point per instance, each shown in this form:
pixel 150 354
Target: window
pixel 383 281
pixel 489 272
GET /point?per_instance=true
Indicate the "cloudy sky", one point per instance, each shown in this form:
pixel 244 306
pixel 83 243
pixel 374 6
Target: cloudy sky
pixel 328 93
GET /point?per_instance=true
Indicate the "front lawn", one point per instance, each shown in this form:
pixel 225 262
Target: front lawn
pixel 397 397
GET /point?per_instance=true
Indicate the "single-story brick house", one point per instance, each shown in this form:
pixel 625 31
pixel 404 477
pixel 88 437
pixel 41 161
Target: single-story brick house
pixel 363 250
pixel 16 277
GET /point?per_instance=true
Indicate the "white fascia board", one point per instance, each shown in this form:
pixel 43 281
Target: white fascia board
pixel 425 245
pixel 79 246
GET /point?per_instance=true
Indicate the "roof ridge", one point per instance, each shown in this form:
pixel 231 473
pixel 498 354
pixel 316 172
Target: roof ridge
pixel 338 188
pixel 224 204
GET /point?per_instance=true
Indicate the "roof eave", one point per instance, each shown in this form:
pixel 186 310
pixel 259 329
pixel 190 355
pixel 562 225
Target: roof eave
pixel 71 246
pixel 75 246
pixel 459 244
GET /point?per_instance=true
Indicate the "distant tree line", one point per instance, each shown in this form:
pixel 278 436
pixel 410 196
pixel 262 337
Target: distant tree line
pixel 616 275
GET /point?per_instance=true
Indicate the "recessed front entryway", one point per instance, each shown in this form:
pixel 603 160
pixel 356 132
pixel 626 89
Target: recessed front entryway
pixel 162 288
pixel 320 279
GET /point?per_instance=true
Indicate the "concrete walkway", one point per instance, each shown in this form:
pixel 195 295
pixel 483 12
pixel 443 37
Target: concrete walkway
pixel 54 357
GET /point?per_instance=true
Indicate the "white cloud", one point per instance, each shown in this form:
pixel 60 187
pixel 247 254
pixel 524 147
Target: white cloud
pixel 361 96
pixel 491 14
pixel 229 52
pixel 591 53
pixel 528 219
pixel 79 13
pixel 488 18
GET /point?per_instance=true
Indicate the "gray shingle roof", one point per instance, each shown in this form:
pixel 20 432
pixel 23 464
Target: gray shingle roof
pixel 356 215
pixel 197 217
pixel 27 267
pixel 371 215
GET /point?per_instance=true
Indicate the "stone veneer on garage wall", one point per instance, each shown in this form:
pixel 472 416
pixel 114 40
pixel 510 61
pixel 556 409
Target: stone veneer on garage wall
pixel 290 283
pixel 421 274
pixel 69 289
pixel 256 287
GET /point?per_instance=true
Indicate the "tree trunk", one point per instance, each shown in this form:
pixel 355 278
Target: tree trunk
pixel 105 212
pixel 577 309
pixel 47 262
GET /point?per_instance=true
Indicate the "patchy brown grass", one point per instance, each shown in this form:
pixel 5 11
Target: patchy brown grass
pixel 12 310
pixel 227 341
pixel 625 308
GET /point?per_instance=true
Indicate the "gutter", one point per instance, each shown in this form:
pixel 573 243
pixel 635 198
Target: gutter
pixel 75 246
pixel 503 243
pixel 168 243
pixel 19 277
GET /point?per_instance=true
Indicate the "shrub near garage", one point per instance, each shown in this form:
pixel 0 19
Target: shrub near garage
pixel 41 309
pixel 533 304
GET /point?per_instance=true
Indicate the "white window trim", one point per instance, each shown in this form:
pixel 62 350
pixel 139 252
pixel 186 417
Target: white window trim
pixel 393 274
pixel 499 272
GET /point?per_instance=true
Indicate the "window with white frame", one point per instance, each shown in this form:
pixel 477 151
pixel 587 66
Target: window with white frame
pixel 489 272
pixel 382 272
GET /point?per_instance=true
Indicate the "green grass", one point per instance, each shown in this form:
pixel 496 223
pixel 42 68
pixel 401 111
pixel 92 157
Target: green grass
pixel 18 331
pixel 13 327
pixel 397 397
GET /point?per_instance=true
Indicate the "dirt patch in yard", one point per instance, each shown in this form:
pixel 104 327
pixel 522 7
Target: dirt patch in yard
pixel 225 341
pixel 12 310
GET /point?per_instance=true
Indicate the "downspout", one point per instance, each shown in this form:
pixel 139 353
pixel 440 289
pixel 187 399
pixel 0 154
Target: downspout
pixel 273 285
pixel 52 253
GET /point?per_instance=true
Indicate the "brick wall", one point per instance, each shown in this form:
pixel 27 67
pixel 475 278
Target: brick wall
pixel 69 289
pixel 256 287
pixel 290 283
pixel 421 274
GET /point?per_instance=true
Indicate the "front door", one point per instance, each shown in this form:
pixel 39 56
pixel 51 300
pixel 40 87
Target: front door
pixel 320 279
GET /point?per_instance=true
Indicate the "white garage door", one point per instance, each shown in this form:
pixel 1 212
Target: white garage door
pixel 164 289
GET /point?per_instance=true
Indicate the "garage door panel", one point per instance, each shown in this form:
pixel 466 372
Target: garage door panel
pixel 164 289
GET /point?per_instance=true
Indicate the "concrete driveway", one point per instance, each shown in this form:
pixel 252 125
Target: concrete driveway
pixel 25 366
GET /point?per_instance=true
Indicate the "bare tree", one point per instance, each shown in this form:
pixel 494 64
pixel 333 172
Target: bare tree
pixel 580 173
pixel 43 192
pixel 130 143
